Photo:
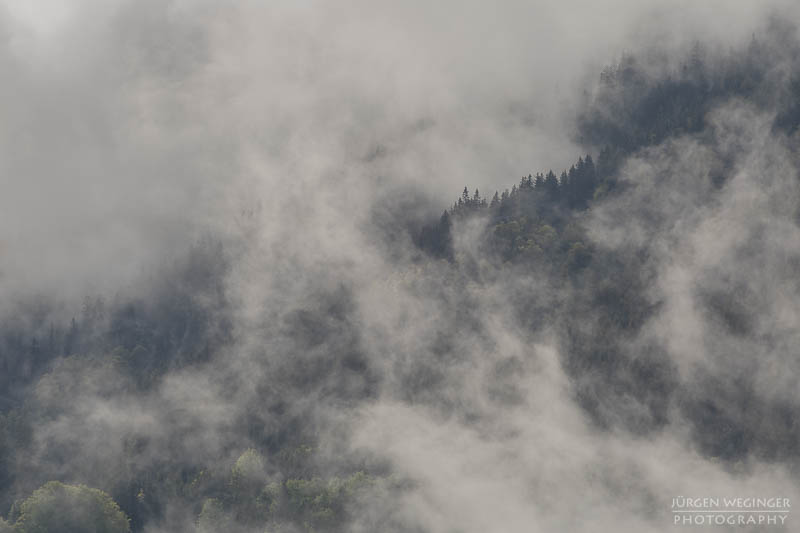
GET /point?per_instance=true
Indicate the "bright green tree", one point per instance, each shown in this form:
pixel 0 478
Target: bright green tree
pixel 60 508
pixel 248 476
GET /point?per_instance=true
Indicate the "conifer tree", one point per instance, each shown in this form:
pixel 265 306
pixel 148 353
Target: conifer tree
pixel 551 184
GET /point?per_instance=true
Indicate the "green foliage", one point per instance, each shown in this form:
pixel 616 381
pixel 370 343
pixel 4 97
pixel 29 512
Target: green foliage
pixel 5 527
pixel 534 241
pixel 527 222
pixel 322 504
pixel 213 517
pixel 269 499
pixel 294 461
pixel 245 488
pixel 59 508
pixel 316 504
pixel 249 465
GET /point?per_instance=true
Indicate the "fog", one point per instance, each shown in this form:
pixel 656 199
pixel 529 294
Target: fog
pixel 132 127
pixel 300 136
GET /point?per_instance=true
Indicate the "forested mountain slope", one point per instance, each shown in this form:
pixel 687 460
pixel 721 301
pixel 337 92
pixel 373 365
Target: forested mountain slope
pixel 659 271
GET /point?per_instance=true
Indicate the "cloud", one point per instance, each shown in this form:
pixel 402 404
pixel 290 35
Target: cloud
pixel 296 133
pixel 132 127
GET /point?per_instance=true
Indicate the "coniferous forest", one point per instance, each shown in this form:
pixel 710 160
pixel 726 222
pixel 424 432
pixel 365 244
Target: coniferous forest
pixel 300 341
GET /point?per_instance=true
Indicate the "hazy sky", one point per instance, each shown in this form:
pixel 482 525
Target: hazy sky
pixel 129 127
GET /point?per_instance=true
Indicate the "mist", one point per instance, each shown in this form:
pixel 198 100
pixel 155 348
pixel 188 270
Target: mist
pixel 219 305
pixel 152 122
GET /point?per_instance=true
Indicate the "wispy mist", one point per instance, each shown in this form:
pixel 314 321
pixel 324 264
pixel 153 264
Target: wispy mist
pixel 209 243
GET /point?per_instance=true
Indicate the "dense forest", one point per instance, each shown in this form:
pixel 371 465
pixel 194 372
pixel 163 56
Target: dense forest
pixel 144 409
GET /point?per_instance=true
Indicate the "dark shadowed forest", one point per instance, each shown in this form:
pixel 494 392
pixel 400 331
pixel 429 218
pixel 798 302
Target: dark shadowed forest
pixel 566 353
